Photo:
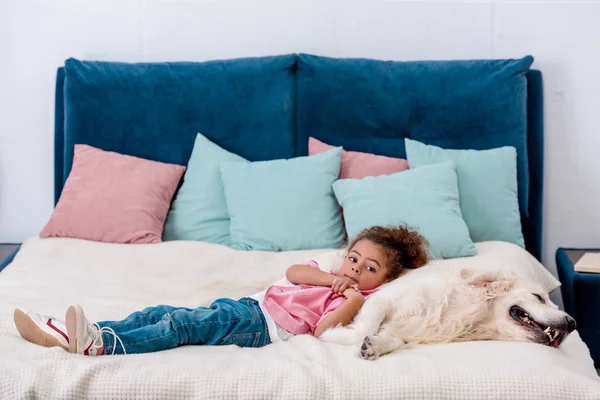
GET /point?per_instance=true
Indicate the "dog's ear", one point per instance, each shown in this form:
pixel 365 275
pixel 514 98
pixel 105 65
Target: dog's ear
pixel 494 283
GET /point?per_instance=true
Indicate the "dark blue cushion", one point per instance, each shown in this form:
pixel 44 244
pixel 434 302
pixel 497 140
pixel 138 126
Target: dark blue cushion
pixel 155 110
pixel 371 106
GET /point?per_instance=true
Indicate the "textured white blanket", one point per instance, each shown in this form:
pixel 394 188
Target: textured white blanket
pixel 112 280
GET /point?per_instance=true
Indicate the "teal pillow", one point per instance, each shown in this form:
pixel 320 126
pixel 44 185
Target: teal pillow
pixel 487 183
pixel 284 205
pixel 425 199
pixel 199 211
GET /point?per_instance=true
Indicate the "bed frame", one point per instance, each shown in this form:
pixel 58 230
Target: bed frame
pixel 118 78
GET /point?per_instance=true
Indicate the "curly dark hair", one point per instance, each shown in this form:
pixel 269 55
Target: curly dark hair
pixel 405 247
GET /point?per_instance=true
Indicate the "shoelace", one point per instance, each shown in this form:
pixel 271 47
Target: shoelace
pixel 96 333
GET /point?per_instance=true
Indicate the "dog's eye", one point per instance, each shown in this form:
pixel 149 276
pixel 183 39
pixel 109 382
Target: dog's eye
pixel 540 298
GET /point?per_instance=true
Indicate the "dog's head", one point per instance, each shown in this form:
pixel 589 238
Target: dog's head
pixel 521 310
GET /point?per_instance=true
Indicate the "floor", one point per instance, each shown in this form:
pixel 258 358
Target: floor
pixel 6 249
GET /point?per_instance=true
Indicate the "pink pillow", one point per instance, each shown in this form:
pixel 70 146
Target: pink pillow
pixel 359 165
pixel 111 197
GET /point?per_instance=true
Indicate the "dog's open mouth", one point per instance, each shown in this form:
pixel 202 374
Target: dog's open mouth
pixel 554 336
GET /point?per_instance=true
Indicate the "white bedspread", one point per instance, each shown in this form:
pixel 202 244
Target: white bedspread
pixel 111 281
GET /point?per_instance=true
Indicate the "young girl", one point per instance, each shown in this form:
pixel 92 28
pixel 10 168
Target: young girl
pixel 313 302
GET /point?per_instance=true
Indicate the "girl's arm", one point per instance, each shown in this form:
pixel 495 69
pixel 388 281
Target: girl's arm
pixel 304 275
pixel 342 315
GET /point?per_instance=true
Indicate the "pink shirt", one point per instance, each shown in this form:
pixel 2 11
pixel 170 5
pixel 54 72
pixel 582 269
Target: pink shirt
pixel 299 308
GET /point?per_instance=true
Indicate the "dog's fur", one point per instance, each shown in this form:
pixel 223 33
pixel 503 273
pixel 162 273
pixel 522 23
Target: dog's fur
pixel 438 305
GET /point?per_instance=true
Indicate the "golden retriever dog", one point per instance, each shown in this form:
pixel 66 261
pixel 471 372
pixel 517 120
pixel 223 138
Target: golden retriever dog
pixel 438 305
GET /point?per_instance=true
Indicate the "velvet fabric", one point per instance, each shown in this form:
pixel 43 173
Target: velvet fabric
pixel 155 110
pixel 267 107
pixel 372 105
pixel 357 165
pixel 533 224
pixel 114 198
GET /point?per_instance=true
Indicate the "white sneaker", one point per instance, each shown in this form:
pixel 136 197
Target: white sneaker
pixel 40 329
pixel 86 338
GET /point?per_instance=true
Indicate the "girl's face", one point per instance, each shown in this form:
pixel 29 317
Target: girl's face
pixel 366 263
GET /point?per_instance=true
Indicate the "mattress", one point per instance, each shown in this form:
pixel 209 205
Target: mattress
pixel 113 280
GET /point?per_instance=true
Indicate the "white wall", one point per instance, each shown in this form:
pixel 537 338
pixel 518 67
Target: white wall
pixel 36 36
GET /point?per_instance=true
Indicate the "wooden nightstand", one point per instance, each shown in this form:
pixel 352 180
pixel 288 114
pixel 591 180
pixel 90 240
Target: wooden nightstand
pixel 7 252
pixel 581 297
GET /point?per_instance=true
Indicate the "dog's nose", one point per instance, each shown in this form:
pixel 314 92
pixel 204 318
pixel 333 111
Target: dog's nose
pixel 571 324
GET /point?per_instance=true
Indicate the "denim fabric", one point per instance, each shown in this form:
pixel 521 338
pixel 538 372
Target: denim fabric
pixel 225 322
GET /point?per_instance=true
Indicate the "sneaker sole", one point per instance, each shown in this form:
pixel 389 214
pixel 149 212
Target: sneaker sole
pixel 74 319
pixel 32 333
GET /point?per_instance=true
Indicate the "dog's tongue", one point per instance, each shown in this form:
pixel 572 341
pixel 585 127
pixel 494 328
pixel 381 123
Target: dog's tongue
pixel 554 343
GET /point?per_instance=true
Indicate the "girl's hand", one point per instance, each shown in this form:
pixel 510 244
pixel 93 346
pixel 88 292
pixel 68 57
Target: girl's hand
pixel 340 284
pixel 355 295
pixel 344 314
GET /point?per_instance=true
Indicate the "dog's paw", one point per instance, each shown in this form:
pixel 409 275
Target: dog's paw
pixel 375 346
pixel 368 349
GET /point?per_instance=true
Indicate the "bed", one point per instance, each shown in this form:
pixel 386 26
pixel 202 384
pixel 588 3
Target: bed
pixel 154 111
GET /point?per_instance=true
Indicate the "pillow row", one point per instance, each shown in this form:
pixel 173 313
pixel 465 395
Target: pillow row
pixel 118 198
pixel 487 183
pixel 226 199
pixel 454 197
pixel 465 196
pixel 267 205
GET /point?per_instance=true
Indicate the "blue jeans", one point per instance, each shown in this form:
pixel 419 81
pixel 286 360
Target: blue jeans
pixel 226 321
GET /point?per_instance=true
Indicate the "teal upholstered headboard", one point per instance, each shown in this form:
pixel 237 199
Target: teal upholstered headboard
pixel 266 107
